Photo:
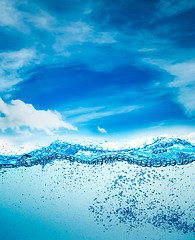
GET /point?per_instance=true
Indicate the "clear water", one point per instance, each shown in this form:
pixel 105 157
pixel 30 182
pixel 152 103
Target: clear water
pixel 70 191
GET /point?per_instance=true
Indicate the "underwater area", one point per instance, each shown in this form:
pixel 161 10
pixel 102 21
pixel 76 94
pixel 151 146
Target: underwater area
pixel 71 191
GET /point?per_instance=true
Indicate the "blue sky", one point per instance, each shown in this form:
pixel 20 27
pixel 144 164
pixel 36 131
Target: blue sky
pixel 96 67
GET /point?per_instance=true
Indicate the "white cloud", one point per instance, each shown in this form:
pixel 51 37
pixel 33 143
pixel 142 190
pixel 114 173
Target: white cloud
pixel 79 33
pixel 183 83
pixel 9 15
pixel 184 72
pixel 19 114
pixel 22 20
pixel 12 64
pixel 17 59
pixel 42 20
pixel 186 96
pixel 102 130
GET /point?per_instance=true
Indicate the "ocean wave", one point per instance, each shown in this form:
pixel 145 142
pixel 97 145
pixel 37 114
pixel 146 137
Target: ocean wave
pixel 161 152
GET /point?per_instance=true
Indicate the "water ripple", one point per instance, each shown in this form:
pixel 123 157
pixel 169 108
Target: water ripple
pixel 162 152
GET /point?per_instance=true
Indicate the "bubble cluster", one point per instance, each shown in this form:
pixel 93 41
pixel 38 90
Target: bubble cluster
pixel 133 200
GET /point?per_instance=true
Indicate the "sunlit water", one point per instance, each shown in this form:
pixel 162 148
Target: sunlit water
pixel 68 191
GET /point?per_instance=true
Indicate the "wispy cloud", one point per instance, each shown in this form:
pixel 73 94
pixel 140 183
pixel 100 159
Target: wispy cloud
pixel 77 33
pixel 102 130
pixel 182 81
pixel 173 7
pixel 43 20
pixel 12 64
pixel 102 113
pixel 147 49
pixel 19 114
pixel 81 110
pixel 10 16
pixel 24 20
pixel 184 73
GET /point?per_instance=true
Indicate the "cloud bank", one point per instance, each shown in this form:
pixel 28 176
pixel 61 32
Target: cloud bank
pixel 19 115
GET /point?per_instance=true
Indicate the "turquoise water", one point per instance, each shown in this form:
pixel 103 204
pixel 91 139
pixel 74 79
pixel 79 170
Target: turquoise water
pixel 68 191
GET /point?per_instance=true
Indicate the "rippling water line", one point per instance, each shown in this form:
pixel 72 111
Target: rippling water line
pixel 162 152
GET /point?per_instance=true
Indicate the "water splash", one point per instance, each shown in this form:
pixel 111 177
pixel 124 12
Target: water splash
pixel 162 152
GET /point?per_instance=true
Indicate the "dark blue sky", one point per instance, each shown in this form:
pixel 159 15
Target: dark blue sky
pixel 121 66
